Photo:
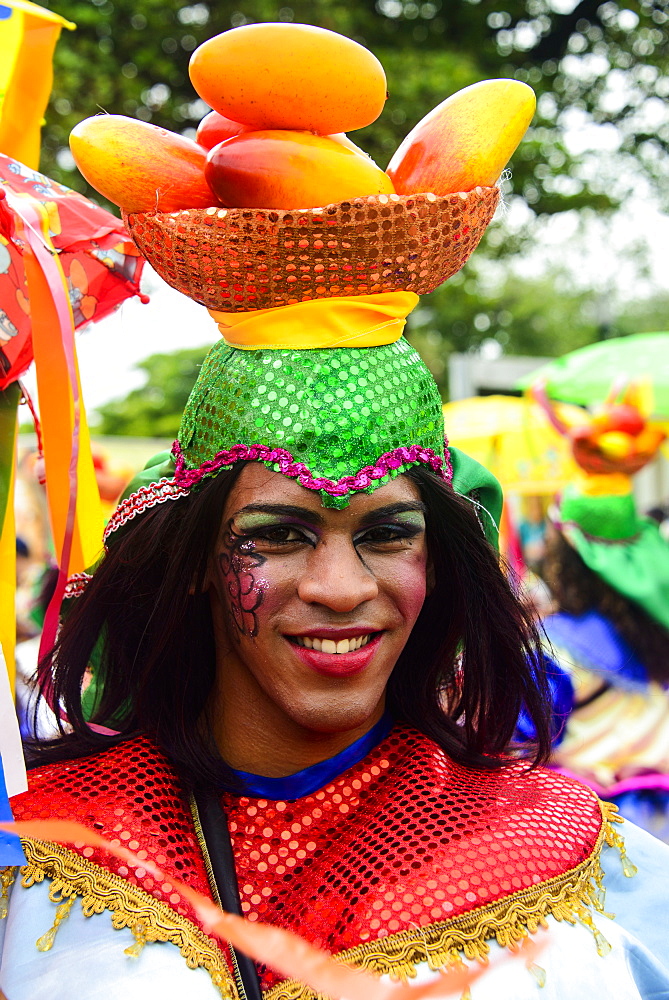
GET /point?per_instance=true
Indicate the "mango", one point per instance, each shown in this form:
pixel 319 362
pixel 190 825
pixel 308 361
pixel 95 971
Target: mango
pixel 289 76
pixel 215 128
pixel 141 167
pixel 289 170
pixel 465 141
pixel 615 444
pixel 619 417
pixel 345 141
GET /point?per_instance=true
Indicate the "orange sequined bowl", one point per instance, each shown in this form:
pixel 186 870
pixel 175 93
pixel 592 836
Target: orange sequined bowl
pixel 234 259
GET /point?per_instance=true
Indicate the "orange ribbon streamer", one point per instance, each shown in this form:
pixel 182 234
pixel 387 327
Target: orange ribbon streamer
pixel 73 499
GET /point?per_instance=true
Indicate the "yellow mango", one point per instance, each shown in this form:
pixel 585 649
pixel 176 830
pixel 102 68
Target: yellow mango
pixel 465 141
pixel 285 169
pixel 141 167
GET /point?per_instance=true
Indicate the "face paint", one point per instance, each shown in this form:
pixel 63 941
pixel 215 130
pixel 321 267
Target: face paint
pixel 340 593
pixel 237 561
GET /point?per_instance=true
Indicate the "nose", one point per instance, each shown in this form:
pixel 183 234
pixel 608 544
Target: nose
pixel 336 577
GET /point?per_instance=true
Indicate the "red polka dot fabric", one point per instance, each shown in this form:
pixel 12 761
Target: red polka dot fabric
pixel 130 796
pixel 404 839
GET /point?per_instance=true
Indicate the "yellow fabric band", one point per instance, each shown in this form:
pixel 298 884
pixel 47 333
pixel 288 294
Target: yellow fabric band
pixel 350 321
pixel 603 484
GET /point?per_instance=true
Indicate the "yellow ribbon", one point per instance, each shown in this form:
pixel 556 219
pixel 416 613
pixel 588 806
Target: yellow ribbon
pixel 598 484
pixel 349 321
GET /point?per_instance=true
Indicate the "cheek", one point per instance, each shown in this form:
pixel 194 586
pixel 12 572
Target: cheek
pixel 252 591
pixel 408 583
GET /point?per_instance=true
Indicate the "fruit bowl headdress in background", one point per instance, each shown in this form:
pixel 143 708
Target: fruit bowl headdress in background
pixel 597 514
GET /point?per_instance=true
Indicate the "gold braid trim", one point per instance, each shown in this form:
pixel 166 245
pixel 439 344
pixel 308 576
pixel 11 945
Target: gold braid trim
pixel 569 896
pixel 149 919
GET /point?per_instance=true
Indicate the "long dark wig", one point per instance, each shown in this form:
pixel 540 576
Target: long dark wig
pixel 472 661
pixel 577 589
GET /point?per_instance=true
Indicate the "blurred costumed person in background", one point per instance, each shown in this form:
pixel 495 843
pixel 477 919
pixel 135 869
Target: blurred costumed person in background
pixel 308 663
pixel 608 571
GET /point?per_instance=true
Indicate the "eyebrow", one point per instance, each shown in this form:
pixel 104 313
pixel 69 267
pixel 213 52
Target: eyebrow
pixel 282 510
pixel 391 509
pixel 313 517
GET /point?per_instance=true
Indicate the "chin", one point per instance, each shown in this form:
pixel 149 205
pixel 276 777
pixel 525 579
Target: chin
pixel 338 717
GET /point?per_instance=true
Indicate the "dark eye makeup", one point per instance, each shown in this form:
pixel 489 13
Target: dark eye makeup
pixel 270 531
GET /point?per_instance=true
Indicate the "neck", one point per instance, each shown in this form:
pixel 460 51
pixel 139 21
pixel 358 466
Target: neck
pixel 278 747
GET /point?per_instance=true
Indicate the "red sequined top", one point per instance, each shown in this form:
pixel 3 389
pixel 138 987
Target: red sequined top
pixel 404 840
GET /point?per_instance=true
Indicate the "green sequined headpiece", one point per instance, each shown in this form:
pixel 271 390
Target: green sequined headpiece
pixel 338 420
pixel 625 550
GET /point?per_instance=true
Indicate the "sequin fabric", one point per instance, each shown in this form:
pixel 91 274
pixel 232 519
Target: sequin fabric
pixel 76 584
pixel 337 411
pixel 241 259
pixel 392 463
pixel 130 796
pixel 404 839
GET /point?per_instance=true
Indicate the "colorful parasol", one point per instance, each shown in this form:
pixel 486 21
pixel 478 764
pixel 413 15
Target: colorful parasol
pixel 64 262
pixel 585 376
pixel 101 265
pixel 515 439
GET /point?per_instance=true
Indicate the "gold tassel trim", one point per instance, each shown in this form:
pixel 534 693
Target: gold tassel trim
pixel 147 918
pixel 569 897
pixel 7 877
pixel 45 943
pixel 613 839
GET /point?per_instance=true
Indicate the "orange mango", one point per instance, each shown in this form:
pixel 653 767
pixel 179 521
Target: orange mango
pixel 465 141
pixel 286 169
pixel 215 128
pixel 141 167
pixel 289 76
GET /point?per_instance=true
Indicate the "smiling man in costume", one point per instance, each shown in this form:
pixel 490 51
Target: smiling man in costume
pixel 309 665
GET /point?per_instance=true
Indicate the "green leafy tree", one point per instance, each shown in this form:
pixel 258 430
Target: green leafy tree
pixel 537 317
pixel 600 62
pixel 155 409
pixel 650 315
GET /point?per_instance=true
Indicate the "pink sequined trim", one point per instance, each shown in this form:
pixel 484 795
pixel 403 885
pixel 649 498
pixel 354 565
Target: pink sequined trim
pixel 141 500
pixel 171 489
pixel 77 584
pixel 385 465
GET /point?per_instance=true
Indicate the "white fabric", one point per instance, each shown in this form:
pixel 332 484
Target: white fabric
pixel 87 960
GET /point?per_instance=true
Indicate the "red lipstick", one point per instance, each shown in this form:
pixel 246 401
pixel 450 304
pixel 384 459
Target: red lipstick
pixel 338 664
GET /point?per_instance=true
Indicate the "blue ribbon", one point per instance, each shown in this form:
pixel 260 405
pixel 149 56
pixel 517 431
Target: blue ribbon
pixel 309 780
pixel 11 852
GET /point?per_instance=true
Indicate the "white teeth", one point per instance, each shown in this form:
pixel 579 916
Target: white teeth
pixel 330 646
